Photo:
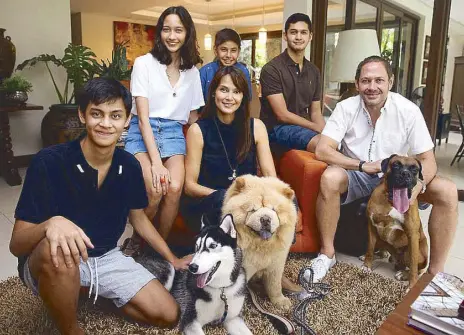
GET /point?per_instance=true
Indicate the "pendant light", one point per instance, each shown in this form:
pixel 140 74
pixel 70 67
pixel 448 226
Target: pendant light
pixel 208 42
pixel 262 35
pixel 233 14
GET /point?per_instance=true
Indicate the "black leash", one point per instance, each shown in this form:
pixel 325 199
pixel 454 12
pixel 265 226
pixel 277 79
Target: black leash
pixel 316 291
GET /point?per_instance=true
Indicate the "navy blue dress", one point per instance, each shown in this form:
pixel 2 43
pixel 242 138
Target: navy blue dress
pixel 215 170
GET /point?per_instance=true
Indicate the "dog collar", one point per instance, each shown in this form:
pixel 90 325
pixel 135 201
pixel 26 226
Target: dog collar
pixel 424 186
pixel 226 306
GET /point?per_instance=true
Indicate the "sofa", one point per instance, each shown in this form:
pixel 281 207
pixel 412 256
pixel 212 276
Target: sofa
pixel 302 172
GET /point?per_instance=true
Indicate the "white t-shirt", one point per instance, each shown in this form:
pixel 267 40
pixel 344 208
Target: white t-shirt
pixel 400 129
pixel 149 80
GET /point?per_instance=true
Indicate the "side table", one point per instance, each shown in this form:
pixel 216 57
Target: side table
pixel 8 169
pixel 397 322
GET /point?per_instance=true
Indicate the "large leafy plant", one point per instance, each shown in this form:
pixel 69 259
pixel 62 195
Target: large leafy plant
pixel 79 63
pixel 118 67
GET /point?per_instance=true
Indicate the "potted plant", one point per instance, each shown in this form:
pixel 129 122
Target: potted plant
pixel 14 90
pixel 118 67
pixel 62 123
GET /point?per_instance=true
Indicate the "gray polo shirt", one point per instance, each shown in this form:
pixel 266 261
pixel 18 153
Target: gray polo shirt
pixel 300 89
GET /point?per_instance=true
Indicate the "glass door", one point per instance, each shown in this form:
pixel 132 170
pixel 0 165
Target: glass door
pixel 389 45
pixel 406 60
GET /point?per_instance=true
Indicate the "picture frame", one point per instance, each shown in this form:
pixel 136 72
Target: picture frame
pixel 424 72
pixel 137 38
pixel 427 47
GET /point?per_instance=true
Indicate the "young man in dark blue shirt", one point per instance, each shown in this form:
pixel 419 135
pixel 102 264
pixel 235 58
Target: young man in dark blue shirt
pixel 73 209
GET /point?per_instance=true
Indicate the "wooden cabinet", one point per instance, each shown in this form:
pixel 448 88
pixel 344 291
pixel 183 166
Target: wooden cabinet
pixel 457 93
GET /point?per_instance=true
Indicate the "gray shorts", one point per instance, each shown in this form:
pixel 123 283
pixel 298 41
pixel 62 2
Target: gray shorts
pixel 113 276
pixel 360 185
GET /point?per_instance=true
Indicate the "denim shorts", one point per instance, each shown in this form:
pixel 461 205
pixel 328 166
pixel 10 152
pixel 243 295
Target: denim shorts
pixel 113 276
pixel 168 135
pixel 360 185
pixel 291 136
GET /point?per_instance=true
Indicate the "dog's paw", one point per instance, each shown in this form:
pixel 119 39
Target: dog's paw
pixel 402 275
pixel 282 303
pixel 365 269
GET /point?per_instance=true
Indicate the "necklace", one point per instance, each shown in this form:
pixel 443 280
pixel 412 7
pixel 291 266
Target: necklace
pixel 169 78
pixel 234 171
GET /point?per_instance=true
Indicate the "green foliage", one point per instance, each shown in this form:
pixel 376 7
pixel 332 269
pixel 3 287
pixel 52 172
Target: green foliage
pixel 16 83
pixel 118 67
pixel 387 44
pixel 79 63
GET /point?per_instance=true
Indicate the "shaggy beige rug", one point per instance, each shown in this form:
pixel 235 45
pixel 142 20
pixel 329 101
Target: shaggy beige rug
pixel 357 304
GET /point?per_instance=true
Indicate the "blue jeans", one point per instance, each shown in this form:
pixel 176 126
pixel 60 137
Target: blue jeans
pixel 291 136
pixel 168 135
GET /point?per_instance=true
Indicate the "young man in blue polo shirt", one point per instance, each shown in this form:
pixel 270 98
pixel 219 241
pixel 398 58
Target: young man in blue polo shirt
pixel 73 209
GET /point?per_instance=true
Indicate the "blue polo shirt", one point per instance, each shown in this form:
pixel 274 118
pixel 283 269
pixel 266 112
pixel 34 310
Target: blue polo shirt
pixel 59 181
pixel 208 71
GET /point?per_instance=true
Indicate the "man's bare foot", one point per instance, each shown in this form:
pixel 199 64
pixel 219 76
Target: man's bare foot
pixel 287 284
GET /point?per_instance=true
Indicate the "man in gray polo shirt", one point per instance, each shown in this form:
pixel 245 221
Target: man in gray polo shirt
pixel 291 88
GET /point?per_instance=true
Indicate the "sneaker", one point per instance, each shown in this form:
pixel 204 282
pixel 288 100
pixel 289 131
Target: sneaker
pixel 320 266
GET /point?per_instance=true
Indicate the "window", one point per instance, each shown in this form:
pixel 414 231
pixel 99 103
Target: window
pixel 255 54
pixel 397 33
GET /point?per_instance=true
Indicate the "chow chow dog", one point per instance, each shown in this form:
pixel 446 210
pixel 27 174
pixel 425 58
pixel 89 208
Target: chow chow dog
pixel 265 218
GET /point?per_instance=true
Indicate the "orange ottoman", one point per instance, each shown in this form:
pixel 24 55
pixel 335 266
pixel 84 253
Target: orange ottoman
pixel 303 172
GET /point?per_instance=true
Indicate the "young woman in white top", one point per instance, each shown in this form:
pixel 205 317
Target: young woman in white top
pixel 167 90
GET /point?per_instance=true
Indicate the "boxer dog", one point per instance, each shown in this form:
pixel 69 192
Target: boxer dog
pixel 393 223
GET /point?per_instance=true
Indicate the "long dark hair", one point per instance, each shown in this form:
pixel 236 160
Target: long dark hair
pixel 189 52
pixel 242 114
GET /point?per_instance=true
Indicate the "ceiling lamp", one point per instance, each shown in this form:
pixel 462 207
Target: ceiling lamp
pixel 208 42
pixel 262 35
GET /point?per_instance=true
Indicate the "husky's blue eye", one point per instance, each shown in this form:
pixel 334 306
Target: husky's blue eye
pixel 213 245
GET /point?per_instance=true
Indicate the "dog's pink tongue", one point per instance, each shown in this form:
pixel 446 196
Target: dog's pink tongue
pixel 201 280
pixel 265 235
pixel 400 199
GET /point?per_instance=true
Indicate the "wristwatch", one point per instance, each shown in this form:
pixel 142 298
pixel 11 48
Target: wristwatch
pixel 360 167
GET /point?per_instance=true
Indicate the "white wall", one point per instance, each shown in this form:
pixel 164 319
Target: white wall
pixel 35 27
pixel 97 34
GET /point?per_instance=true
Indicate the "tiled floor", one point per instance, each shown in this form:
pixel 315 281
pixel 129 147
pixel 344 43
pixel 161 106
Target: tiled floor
pixel 444 154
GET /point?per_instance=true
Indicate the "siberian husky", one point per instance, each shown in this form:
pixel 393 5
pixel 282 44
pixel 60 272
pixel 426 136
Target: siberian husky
pixel 213 290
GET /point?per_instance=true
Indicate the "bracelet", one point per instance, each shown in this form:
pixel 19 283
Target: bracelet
pixel 360 167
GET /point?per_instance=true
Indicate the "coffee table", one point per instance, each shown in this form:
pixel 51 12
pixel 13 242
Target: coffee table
pixel 397 321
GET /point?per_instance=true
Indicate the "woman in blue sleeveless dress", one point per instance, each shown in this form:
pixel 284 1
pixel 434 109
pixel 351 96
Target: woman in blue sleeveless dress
pixel 224 144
